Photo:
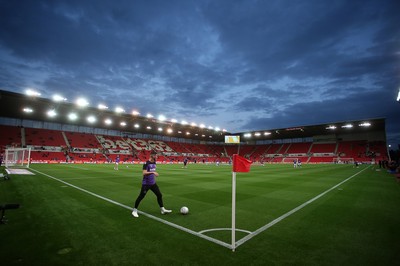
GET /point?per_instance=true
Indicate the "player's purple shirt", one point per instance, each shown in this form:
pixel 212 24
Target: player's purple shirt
pixel 117 160
pixel 151 178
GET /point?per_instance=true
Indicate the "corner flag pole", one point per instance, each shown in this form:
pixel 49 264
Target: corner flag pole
pixel 233 210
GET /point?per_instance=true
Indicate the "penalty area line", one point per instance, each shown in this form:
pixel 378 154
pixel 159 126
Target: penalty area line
pixel 277 220
pixel 187 230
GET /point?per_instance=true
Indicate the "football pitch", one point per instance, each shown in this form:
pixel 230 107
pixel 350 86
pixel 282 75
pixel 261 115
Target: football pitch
pixel 314 215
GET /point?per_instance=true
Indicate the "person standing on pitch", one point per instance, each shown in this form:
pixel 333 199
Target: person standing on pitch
pixel 149 183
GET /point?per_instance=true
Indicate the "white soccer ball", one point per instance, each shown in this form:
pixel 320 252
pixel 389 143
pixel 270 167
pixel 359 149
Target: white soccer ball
pixel 184 210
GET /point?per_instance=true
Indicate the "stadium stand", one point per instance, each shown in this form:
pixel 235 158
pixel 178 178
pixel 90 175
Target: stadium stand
pixel 63 146
pixel 10 136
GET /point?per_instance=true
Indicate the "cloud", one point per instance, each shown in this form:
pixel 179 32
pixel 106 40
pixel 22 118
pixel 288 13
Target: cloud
pixel 240 64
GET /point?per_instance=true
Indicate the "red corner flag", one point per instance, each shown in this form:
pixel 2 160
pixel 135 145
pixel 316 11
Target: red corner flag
pixel 241 164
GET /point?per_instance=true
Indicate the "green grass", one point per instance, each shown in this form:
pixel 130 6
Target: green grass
pixel 357 223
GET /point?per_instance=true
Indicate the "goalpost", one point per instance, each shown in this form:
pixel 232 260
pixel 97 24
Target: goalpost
pixel 343 160
pixel 17 157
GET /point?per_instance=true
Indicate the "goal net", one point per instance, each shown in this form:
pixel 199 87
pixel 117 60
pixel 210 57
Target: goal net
pixel 17 157
pixel 343 160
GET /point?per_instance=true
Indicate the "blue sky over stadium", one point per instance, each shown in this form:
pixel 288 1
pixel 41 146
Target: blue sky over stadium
pixel 239 65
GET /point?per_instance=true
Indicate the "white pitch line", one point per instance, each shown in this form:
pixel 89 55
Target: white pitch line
pixel 216 241
pixel 277 220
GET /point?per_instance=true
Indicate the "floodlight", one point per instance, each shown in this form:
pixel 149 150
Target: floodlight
pixel 203 135
pixel 217 129
pixel 398 96
pixel 102 106
pixel 82 102
pixel 134 112
pixel 169 130
pixel 183 122
pixel 31 92
pixel 160 129
pixel 27 110
pixel 267 133
pixel 58 98
pixel 224 130
pixel 136 126
pixel 91 119
pixel 162 118
pixel 149 116
pixel 210 127
pixel 51 113
pixel 331 127
pixel 365 124
pixel 173 120
pixel 122 124
pixel 72 116
pixel 196 134
pixel 257 134
pixel 247 135
pixel 347 126
pixel 179 132
pixel 187 133
pixel 108 121
pixel 119 110
pixel 193 124
pixel 202 126
pixel 148 127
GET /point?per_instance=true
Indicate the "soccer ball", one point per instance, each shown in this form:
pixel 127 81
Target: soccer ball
pixel 184 210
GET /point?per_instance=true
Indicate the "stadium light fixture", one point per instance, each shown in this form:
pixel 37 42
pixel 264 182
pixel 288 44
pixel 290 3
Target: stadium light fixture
pixel 160 129
pixel 102 106
pixel 108 121
pixel 247 135
pixel 398 96
pixel 119 110
pixel 31 92
pixel 162 118
pixel 193 124
pixel 173 120
pixel 51 113
pixel 148 127
pixel 123 124
pixel 210 127
pixel 136 125
pixel 257 134
pixel 202 126
pixel 187 133
pixel 347 126
pixel 331 127
pixel 169 130
pixel 149 115
pixel 72 116
pixel 179 132
pixel 267 133
pixel 203 136
pixel 183 122
pixel 27 110
pixel 134 112
pixel 365 124
pixel 82 102
pixel 91 119
pixel 217 129
pixel 224 130
pixel 59 98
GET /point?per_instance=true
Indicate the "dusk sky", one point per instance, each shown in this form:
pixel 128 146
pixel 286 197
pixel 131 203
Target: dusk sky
pixel 239 65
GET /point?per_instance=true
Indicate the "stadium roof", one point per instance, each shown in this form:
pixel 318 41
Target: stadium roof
pixel 12 105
